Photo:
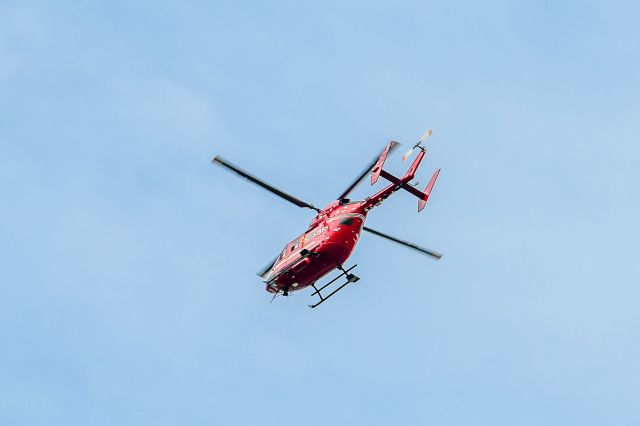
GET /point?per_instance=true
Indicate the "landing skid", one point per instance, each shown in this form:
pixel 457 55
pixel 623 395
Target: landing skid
pixel 350 279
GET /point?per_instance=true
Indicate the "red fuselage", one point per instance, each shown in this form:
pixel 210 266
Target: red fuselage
pixel 332 236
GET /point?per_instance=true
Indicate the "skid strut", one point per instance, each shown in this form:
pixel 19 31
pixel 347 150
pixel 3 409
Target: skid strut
pixel 350 279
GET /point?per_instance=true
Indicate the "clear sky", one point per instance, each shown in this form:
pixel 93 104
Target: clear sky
pixel 128 293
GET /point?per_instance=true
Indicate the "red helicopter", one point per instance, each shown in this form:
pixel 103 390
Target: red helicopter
pixel 334 232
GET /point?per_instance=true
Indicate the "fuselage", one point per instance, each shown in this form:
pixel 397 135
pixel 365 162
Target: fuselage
pixel 331 238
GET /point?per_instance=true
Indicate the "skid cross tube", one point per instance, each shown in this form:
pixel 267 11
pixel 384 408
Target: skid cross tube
pixel 350 279
pixel 318 290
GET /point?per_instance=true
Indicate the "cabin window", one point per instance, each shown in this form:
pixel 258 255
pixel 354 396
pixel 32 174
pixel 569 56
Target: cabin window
pixel 347 221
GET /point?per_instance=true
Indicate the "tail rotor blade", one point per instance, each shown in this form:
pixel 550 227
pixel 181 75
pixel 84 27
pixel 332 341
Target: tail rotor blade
pixel 406 156
pixel 425 136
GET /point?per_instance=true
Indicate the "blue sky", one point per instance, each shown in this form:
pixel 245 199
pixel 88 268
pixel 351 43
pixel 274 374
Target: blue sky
pixel 128 293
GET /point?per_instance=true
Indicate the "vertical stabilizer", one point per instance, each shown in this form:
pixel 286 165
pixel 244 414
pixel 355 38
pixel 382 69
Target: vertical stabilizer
pixel 422 201
pixel 375 172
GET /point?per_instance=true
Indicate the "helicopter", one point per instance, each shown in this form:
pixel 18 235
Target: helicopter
pixel 332 235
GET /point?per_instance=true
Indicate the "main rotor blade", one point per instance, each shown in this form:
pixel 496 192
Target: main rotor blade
pixel 265 271
pixel 222 162
pixel 364 173
pixel 404 243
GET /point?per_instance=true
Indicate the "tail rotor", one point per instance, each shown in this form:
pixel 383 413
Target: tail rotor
pixel 423 138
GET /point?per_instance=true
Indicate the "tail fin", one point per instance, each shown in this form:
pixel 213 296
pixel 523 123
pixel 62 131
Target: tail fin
pixel 422 201
pixel 375 172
